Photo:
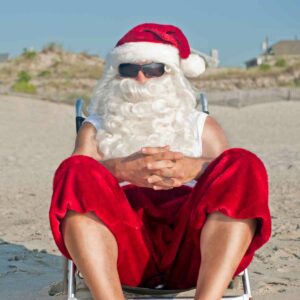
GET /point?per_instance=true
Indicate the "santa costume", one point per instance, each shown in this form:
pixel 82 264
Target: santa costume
pixel 158 232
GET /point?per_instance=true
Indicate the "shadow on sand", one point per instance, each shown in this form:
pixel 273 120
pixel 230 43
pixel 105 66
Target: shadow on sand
pixel 27 274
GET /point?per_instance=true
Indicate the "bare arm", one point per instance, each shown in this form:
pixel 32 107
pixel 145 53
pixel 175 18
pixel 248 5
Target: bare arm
pixel 214 140
pixel 86 143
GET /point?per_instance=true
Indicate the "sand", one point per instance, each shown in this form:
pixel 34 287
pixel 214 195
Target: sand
pixel 37 135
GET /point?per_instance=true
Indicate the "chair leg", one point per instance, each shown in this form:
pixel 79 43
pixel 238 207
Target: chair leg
pixel 246 283
pixel 71 281
pixel 65 278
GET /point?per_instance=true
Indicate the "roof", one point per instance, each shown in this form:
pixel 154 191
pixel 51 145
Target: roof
pixel 285 48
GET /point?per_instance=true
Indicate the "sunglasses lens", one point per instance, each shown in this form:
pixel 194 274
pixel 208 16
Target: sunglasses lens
pixel 149 70
pixel 153 70
pixel 128 70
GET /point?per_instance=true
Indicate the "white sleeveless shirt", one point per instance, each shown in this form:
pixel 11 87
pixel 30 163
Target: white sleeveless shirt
pixel 198 118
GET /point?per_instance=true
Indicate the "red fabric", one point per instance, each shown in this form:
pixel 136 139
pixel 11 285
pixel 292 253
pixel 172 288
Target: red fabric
pixel 158 33
pixel 158 231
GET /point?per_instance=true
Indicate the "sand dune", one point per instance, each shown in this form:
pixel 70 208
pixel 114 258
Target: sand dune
pixel 37 135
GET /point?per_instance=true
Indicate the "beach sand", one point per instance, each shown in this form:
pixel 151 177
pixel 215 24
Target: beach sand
pixel 37 135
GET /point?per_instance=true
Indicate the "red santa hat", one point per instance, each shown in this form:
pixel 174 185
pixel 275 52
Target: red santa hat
pixel 158 43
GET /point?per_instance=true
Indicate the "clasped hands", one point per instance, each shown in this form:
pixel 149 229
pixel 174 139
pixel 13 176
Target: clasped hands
pixel 158 168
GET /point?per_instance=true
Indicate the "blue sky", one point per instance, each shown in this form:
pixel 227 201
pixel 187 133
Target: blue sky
pixel 235 28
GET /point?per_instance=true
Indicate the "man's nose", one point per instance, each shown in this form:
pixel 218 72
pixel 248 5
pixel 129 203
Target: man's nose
pixel 140 77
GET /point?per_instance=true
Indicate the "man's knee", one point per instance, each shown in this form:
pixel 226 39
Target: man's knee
pixel 217 216
pixel 76 220
pixel 244 158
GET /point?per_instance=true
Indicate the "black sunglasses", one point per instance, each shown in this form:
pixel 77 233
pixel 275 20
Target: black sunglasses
pixel 149 70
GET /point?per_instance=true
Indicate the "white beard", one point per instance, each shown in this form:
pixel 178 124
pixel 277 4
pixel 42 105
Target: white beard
pixel 159 112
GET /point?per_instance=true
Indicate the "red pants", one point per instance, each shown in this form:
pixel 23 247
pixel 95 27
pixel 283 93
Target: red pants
pixel 158 232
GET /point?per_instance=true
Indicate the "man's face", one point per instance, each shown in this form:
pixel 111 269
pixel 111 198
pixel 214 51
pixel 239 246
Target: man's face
pixel 141 78
pixel 141 72
pixel 145 104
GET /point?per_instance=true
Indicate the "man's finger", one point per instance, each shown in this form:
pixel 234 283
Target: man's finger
pixel 168 155
pixel 166 184
pixel 154 150
pixel 157 188
pixel 176 182
pixel 166 172
pixel 154 178
pixel 160 164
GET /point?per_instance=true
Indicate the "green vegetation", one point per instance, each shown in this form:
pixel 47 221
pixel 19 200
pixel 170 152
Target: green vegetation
pixel 45 73
pixel 281 63
pixel 29 53
pixel 79 71
pixel 24 76
pixel 297 82
pixel 22 85
pixel 264 67
pixel 53 47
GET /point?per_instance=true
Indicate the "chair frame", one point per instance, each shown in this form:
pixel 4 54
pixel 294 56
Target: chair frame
pixel 69 282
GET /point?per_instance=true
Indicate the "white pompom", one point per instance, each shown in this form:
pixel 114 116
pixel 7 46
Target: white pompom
pixel 193 66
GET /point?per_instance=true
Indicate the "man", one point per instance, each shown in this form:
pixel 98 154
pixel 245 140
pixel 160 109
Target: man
pixel 123 208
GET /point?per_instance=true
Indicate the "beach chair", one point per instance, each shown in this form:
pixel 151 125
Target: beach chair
pixel 238 289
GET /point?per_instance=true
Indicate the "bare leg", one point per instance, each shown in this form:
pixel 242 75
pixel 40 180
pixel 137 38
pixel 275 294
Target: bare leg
pixel 94 250
pixel 223 243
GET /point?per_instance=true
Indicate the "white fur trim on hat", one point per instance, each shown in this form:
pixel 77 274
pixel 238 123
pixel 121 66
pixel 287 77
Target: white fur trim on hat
pixel 139 52
pixel 193 66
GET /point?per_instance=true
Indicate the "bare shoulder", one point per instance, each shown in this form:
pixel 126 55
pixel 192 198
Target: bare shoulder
pixel 214 140
pixel 86 143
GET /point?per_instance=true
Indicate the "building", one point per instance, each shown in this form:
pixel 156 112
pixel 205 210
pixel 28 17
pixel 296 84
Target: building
pixel 281 48
pixel 4 57
pixel 212 60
